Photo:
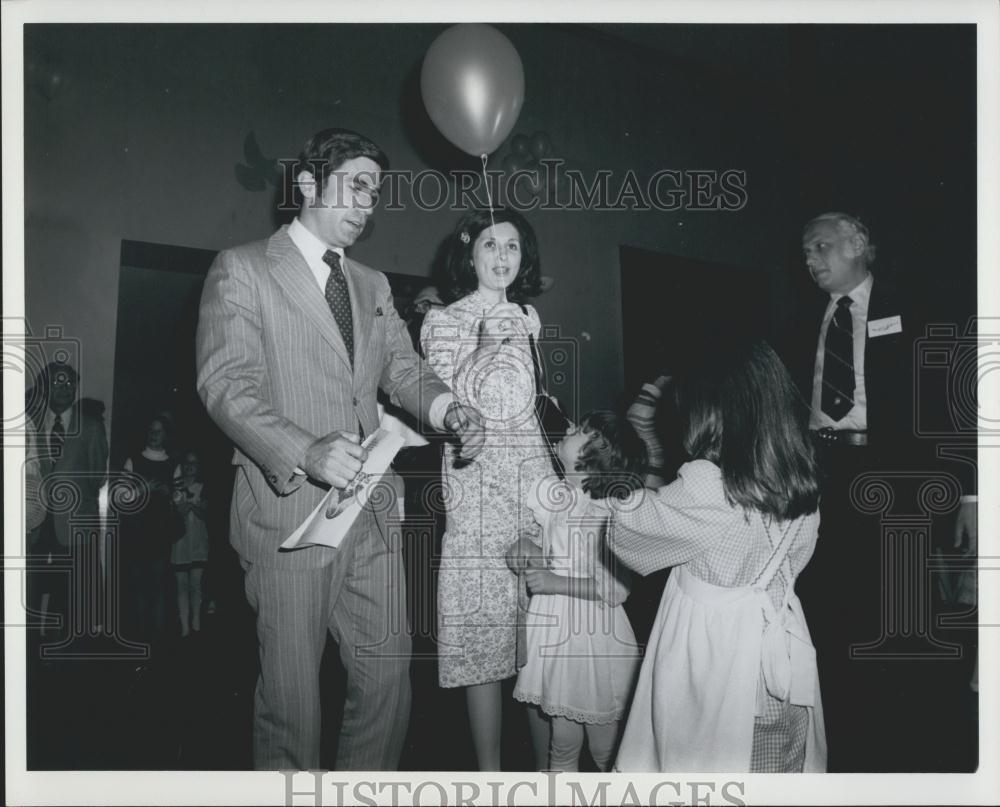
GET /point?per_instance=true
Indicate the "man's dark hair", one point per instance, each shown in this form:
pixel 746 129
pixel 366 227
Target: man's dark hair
pixel 329 149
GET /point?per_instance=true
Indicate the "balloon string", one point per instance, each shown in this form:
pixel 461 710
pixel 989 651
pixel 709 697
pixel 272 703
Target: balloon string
pixel 493 224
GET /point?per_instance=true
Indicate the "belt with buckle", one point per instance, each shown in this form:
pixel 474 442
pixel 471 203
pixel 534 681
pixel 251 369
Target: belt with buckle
pixel 841 437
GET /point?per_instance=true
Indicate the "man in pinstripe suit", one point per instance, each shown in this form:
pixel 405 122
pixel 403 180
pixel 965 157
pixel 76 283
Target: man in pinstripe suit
pixel 294 339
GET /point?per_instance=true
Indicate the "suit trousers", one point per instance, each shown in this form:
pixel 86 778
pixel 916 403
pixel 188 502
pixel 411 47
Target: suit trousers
pixel 875 706
pixel 360 598
pixel 72 578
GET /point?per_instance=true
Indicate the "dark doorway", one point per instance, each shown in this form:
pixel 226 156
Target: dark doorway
pixel 158 293
pixel 674 308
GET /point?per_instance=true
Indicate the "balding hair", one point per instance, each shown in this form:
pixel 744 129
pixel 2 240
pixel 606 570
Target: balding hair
pixel 849 225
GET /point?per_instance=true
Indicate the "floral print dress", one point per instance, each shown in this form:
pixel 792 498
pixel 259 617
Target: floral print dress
pixel 485 499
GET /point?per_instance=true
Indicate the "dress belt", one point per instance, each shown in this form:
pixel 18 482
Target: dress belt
pixel 828 436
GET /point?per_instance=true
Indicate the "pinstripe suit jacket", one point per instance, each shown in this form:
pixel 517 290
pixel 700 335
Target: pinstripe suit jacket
pixel 274 374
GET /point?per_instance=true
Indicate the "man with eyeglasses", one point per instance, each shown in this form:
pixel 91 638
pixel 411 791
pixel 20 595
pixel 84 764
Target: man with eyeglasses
pixel 294 340
pixel 72 452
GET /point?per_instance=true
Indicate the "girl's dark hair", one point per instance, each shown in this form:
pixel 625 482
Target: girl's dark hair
pixel 182 458
pixel 461 276
pixel 614 458
pixel 744 414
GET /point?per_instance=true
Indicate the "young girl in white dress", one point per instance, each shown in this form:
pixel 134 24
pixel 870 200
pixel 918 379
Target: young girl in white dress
pixel 189 554
pixel 582 656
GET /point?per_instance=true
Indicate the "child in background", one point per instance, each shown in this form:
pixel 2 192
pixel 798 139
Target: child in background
pixel 581 652
pixel 642 415
pixel 189 555
pixel 729 680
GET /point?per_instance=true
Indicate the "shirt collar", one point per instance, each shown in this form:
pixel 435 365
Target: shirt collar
pixel 311 247
pixel 859 295
pixel 66 415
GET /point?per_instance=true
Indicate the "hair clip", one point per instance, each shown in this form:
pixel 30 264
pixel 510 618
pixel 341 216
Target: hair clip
pixel 465 237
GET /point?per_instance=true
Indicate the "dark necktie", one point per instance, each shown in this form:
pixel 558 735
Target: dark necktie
pixel 56 437
pixel 339 300
pixel 838 362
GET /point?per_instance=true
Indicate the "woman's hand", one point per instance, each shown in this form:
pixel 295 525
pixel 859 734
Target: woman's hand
pixel 504 321
pixel 155 486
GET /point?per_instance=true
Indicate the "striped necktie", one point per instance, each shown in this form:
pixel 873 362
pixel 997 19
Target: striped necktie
pixel 838 362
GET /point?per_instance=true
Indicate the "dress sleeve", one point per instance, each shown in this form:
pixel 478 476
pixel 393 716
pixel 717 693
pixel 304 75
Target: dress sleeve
pixel 440 336
pixel 587 539
pixel 546 497
pixel 612 578
pixel 538 497
pixel 534 322
pixel 652 530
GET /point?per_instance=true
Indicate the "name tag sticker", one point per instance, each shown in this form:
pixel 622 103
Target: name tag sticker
pixel 885 326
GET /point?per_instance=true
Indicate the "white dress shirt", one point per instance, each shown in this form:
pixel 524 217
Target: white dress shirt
pixel 50 419
pixel 313 249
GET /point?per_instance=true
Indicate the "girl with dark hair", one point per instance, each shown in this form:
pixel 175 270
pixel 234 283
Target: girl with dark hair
pixel 729 681
pixel 479 346
pixel 582 655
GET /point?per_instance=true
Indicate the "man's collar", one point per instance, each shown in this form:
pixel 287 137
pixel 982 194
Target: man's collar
pixel 859 295
pixel 66 415
pixel 311 247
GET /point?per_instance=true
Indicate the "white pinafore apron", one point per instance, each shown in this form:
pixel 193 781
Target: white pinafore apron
pixel 713 655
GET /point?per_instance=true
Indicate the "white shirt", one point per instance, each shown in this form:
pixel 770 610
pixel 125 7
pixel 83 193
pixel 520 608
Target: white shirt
pixel 313 249
pixel 50 419
pixel 857 417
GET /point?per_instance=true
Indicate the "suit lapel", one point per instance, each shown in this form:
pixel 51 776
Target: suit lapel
pixel 293 274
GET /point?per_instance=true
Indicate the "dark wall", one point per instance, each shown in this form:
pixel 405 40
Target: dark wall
pixel 882 123
pixel 140 140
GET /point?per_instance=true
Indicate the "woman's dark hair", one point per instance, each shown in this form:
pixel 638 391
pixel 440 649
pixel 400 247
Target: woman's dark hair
pixel 460 273
pixel 166 420
pixel 743 413
pixel 614 458
pixel 329 149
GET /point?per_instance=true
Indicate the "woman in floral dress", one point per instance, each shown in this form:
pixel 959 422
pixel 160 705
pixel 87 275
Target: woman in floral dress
pixel 479 345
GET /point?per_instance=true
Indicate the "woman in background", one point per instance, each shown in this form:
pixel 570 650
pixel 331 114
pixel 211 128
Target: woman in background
pixel 147 535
